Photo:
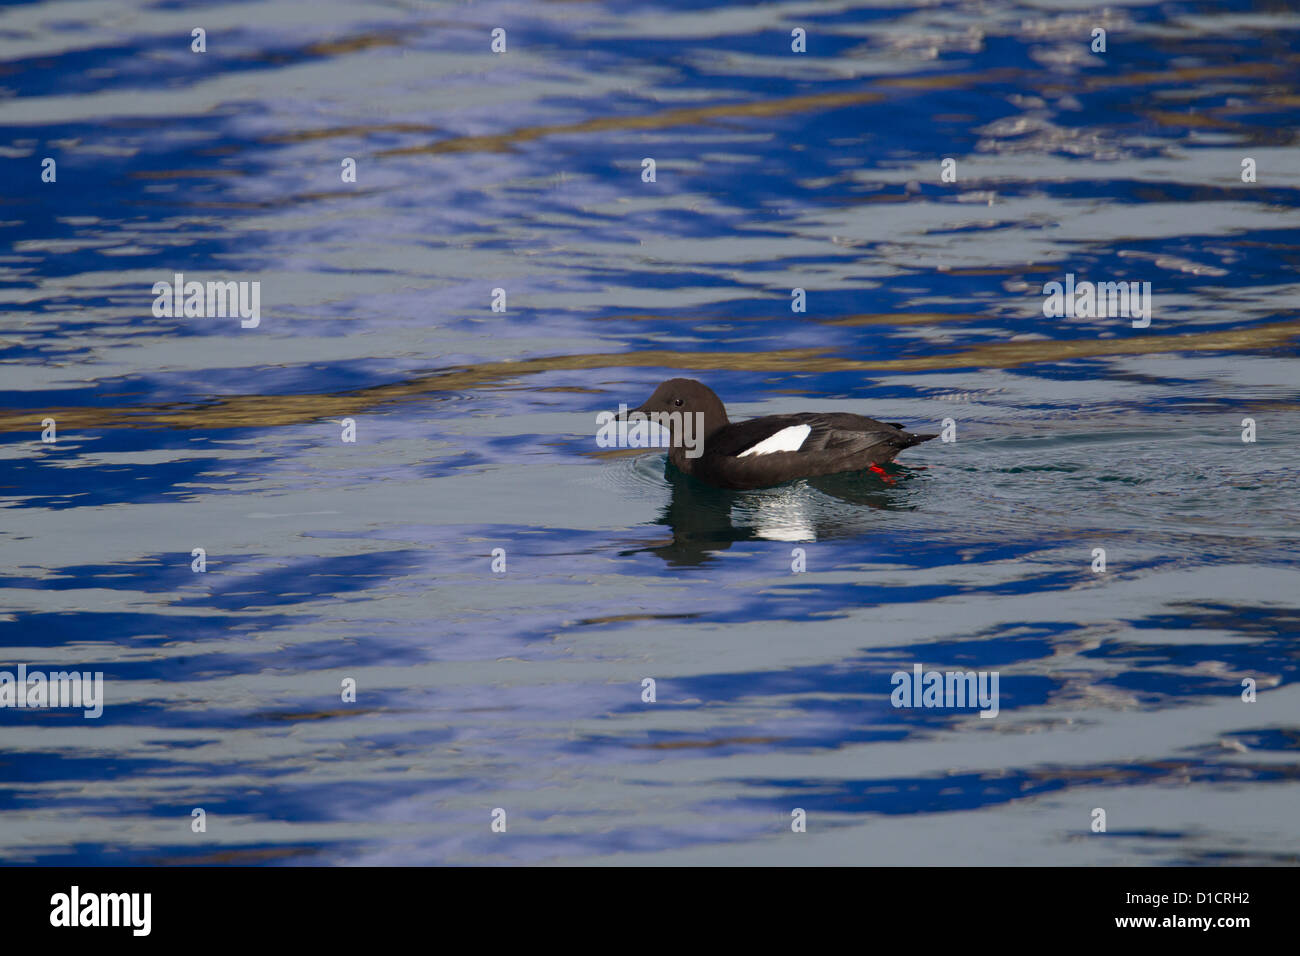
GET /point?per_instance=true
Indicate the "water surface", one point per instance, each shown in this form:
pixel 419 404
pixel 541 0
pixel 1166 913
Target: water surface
pixel 475 430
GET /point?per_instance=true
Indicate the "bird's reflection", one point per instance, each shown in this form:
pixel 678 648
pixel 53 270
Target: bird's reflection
pixel 704 519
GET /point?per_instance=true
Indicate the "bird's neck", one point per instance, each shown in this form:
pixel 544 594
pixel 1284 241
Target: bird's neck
pixel 690 439
pixel 677 455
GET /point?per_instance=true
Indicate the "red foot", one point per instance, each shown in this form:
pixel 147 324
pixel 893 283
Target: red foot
pixel 884 475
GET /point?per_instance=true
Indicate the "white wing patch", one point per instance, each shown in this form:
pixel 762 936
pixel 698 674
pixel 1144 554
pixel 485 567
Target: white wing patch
pixel 787 439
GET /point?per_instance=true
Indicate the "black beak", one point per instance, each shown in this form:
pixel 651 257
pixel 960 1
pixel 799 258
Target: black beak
pixel 622 418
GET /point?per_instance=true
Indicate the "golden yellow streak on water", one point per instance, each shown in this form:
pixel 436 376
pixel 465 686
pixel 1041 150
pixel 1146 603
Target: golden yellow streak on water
pixel 364 41
pixel 359 132
pixel 902 318
pixel 683 116
pixel 265 411
pixel 1187 74
pixel 185 173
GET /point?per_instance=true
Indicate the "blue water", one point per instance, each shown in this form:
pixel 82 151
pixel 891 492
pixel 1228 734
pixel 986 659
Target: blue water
pixel 521 690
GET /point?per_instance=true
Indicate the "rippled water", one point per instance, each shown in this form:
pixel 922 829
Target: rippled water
pixel 475 430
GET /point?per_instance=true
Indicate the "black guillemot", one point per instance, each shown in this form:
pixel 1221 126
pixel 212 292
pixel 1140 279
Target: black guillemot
pixel 770 450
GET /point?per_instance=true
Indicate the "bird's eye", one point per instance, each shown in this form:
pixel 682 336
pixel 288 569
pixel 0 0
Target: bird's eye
pixel 677 401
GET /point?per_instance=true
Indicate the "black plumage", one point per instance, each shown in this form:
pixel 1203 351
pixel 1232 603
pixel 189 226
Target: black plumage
pixel 835 442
